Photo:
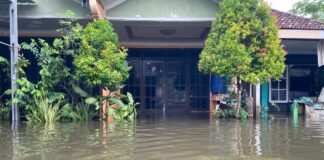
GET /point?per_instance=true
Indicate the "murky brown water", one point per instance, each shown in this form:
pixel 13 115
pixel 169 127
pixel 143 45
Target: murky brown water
pixel 166 139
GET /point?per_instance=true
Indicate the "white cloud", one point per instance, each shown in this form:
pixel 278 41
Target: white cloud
pixel 282 5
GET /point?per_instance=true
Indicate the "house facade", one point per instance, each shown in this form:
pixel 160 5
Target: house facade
pixel 164 39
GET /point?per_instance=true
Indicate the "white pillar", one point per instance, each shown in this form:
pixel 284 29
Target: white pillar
pixel 258 95
pixel 258 101
pixel 320 53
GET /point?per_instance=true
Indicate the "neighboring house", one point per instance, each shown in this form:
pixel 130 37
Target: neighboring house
pixel 165 38
pixel 304 76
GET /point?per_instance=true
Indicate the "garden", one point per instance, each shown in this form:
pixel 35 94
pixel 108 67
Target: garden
pixel 74 70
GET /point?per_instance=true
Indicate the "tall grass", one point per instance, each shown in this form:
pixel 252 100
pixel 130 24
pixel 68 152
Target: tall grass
pixel 44 111
pixel 85 112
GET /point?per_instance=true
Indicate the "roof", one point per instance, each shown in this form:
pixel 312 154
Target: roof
pixel 290 21
pixel 161 9
pixel 45 8
pixel 191 10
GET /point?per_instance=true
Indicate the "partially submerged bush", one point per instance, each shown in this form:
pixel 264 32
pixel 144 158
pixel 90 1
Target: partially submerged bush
pixel 229 112
pixel 85 112
pixel 125 110
pixel 48 112
pixel 44 110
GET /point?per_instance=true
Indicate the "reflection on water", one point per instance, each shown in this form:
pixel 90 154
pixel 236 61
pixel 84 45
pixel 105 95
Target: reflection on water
pixel 169 138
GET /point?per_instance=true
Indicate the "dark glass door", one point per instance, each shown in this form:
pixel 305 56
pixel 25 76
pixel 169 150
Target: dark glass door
pixel 165 85
pixel 154 85
pixel 175 85
pixel 175 93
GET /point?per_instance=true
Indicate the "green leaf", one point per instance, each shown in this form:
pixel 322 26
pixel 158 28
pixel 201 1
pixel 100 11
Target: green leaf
pixel 80 91
pixel 125 114
pixel 111 111
pixel 8 92
pixel 130 98
pixel 91 100
pixel 131 117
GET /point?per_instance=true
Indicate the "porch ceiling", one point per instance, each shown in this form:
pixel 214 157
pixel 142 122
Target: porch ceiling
pixel 166 34
pixel 301 46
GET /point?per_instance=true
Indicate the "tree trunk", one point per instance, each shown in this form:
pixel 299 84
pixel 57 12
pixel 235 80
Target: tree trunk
pixel 239 93
pixel 105 104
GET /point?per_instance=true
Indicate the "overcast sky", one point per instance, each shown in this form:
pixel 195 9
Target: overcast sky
pixel 282 5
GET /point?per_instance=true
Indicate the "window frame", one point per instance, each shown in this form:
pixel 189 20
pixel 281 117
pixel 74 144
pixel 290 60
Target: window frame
pixel 279 89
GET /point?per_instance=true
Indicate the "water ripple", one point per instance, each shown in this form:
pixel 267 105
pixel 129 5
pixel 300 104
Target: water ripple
pixel 181 139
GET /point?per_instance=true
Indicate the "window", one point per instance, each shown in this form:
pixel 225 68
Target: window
pixel 279 89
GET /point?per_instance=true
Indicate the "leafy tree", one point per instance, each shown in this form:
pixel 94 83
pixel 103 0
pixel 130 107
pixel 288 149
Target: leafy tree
pixel 101 61
pixel 243 43
pixel 309 8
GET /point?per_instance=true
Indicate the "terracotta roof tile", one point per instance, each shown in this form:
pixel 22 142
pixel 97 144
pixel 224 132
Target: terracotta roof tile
pixel 290 21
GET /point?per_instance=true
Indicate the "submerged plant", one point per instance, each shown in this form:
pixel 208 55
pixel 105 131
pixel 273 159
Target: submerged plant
pixel 4 113
pixel 85 112
pixel 68 114
pixel 225 113
pixel 231 113
pixel 44 110
pixel 243 113
pixel 123 111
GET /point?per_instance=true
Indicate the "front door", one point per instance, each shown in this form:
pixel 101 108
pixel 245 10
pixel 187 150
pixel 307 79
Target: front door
pixel 154 85
pixel 167 84
pixel 175 86
pixel 165 87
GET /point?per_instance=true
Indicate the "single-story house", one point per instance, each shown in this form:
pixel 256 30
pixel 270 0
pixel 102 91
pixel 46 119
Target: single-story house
pixel 165 37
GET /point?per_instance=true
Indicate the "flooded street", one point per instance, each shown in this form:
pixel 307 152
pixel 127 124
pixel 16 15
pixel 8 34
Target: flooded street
pixel 181 138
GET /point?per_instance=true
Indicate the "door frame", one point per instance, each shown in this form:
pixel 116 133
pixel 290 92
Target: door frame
pixel 165 60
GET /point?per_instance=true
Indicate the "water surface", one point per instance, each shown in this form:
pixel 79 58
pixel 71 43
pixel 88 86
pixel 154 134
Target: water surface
pixel 168 138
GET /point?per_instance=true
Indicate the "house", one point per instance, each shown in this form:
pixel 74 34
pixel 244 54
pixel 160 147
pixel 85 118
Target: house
pixel 165 37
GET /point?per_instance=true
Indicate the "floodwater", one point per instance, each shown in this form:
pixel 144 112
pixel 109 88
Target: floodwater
pixel 166 138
